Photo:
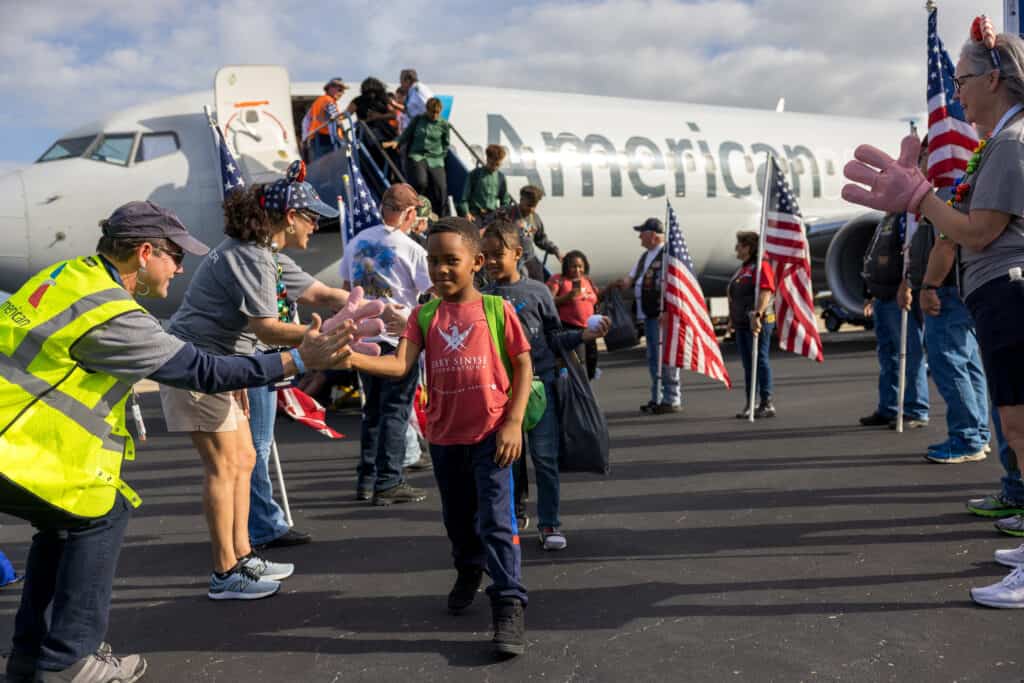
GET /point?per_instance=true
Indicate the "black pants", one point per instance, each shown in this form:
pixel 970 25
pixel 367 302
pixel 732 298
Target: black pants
pixel 70 567
pixel 430 182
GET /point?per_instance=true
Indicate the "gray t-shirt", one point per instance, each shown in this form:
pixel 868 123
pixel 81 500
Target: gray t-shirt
pixel 130 347
pixel 998 185
pixel 236 281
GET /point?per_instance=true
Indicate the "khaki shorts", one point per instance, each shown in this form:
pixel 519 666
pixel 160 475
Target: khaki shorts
pixel 192 411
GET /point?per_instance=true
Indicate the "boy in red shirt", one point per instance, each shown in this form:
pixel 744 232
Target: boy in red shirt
pixel 474 424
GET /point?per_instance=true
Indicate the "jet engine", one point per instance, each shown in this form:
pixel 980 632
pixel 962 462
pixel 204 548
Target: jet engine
pixel 844 262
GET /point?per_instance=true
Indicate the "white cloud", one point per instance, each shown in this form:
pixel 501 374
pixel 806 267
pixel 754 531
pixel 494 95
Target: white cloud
pixel 70 62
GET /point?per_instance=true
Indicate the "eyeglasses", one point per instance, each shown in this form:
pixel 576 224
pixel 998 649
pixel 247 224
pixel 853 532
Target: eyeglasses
pixel 310 216
pixel 958 81
pixel 176 256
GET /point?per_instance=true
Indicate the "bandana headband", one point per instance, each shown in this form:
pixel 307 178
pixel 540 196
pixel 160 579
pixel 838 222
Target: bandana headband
pixel 983 32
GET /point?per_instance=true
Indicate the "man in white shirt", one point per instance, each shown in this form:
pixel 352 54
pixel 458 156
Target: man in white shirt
pixel 390 266
pixel 416 94
pixel 645 278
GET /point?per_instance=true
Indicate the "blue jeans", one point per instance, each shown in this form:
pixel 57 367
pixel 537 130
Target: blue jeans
pixel 70 570
pixel 266 518
pixel 386 409
pixel 670 392
pixel 887 330
pixel 1013 486
pixel 956 369
pixel 543 440
pixel 745 345
pixel 478 510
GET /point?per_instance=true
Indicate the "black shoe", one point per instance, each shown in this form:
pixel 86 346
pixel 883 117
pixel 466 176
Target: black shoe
pixel 403 493
pixel 910 423
pixel 287 539
pixel 766 409
pixel 743 414
pixel 649 408
pixel 364 494
pixel 875 420
pixel 509 627
pixel 20 668
pixel 464 591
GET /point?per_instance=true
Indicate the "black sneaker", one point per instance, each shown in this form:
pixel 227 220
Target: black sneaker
pixel 875 420
pixel 287 539
pixel 743 414
pixel 403 493
pixel 766 409
pixel 649 408
pixel 464 591
pixel 509 627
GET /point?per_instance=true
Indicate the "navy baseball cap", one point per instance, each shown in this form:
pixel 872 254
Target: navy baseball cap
pixel 137 220
pixel 293 192
pixel 651 225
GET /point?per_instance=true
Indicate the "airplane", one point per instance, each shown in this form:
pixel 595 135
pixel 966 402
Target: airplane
pixel 605 164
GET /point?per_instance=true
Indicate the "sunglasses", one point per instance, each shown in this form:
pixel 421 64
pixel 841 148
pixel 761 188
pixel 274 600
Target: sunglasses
pixel 176 256
pixel 310 216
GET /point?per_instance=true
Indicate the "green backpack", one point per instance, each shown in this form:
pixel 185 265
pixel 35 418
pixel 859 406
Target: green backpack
pixel 494 311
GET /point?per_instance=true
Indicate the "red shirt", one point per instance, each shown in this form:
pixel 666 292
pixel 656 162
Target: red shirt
pixel 574 311
pixel 466 380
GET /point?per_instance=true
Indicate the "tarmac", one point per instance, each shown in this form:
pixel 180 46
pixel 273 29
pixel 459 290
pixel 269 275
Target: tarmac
pixel 799 548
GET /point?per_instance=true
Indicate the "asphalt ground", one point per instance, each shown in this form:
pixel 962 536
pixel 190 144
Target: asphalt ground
pixel 801 548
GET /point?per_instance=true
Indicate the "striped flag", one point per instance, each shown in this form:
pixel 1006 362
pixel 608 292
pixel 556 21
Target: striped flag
pixel 951 140
pixel 785 245
pixel 688 338
pixel 230 173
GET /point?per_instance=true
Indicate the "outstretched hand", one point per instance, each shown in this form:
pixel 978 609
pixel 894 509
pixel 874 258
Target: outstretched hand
pixel 365 315
pixel 323 351
pixel 600 330
pixel 894 185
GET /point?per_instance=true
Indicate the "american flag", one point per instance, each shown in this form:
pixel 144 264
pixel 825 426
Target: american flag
pixel 785 245
pixel 363 212
pixel 689 338
pixel 951 140
pixel 230 173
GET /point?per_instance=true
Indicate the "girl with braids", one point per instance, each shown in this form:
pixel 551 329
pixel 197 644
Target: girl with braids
pixel 985 219
pixel 242 299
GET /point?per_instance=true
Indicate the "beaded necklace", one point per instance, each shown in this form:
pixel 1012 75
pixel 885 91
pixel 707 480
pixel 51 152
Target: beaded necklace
pixel 285 309
pixel 963 188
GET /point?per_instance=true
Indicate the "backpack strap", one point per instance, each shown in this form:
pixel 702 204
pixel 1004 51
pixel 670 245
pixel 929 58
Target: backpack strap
pixel 494 311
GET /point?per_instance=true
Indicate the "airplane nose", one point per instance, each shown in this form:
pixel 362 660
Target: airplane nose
pixel 14 228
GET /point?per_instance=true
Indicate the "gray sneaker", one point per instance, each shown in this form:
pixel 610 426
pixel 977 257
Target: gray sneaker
pixel 1011 526
pixel 267 570
pixel 101 667
pixel 403 493
pixel 241 584
pixel 994 506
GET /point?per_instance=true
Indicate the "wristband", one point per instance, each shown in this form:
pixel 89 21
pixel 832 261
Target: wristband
pixel 300 367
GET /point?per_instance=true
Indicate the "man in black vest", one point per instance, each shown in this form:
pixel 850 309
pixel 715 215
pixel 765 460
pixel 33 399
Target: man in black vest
pixel 645 278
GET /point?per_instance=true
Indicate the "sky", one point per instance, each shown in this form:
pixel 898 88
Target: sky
pixel 66 64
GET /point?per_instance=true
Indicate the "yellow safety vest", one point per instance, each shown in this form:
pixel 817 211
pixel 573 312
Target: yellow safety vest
pixel 62 427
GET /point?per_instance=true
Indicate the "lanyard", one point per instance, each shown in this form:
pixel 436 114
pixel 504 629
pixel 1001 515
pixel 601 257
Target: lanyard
pixel 1010 113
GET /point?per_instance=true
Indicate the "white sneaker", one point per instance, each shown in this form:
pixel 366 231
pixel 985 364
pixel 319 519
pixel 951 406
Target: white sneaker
pixel 1007 594
pixel 1011 558
pixel 552 538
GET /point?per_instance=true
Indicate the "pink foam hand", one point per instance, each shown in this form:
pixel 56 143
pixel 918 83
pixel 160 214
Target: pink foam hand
pixel 356 309
pixel 366 348
pixel 894 185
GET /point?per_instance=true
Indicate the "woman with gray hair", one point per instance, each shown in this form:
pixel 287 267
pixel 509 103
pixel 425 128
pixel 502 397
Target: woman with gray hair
pixel 985 219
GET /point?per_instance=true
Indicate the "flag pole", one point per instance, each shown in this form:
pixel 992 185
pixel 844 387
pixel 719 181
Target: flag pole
pixel 769 169
pixel 662 336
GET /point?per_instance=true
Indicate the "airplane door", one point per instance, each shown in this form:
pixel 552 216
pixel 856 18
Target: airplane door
pixel 254 110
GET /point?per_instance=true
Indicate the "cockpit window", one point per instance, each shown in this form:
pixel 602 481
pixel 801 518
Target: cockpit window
pixel 67 149
pixel 114 149
pixel 156 145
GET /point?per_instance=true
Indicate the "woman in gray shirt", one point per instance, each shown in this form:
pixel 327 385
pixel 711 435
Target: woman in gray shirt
pixel 241 298
pixel 986 220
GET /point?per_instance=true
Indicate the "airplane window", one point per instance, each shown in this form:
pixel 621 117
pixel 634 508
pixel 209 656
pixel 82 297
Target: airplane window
pixel 67 149
pixel 115 149
pixel 251 116
pixel 156 145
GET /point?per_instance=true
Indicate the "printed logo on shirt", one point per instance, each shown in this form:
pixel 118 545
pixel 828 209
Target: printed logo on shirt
pixel 454 339
pixel 371 265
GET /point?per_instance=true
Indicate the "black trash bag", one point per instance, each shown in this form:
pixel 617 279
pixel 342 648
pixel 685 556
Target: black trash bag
pixel 622 334
pixel 584 438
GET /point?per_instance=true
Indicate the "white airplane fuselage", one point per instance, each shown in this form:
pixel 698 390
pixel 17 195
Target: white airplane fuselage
pixel 605 165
